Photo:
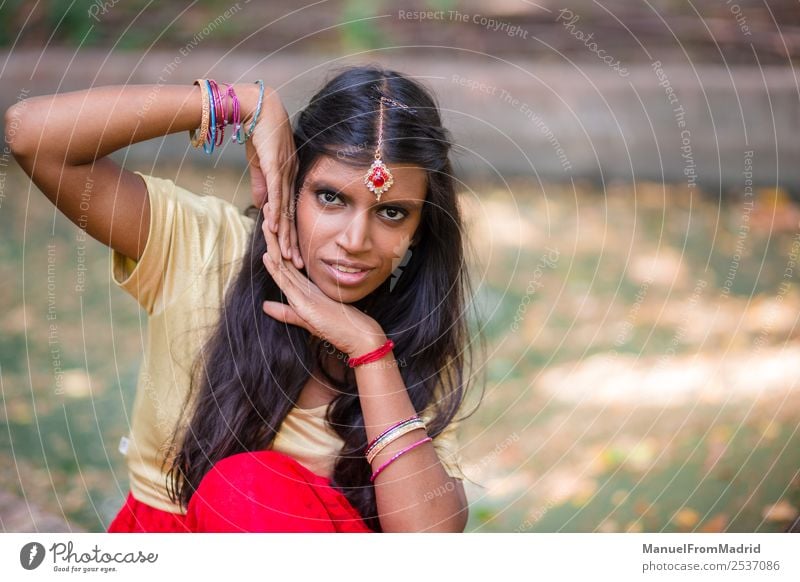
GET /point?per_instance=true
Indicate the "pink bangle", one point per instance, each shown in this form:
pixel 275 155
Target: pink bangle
pixel 215 105
pixel 236 116
pixel 219 111
pixel 405 450
pixel 371 356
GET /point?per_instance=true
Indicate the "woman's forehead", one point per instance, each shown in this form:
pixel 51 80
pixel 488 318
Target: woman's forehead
pixel 410 181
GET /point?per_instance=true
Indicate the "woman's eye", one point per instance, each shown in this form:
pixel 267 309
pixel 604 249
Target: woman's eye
pixel 325 194
pixel 395 214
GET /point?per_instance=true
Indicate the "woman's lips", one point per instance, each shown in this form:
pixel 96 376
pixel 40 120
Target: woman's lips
pixel 346 278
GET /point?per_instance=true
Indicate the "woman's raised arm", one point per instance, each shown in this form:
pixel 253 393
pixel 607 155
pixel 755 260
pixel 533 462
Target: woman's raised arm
pixel 62 142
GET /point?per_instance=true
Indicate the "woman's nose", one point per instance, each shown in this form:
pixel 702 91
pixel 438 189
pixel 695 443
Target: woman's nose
pixel 355 236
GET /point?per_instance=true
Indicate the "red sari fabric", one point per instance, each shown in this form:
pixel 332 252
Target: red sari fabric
pixel 138 517
pixel 263 491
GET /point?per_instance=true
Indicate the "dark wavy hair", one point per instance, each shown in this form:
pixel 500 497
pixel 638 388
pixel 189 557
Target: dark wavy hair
pixel 251 371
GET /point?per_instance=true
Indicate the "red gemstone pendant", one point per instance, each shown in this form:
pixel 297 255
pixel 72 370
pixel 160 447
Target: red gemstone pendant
pixel 378 178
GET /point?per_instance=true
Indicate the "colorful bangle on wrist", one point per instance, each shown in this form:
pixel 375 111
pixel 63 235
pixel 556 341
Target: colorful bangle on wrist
pixel 214 115
pixel 381 437
pixel 212 127
pixel 236 120
pixel 252 127
pixel 198 137
pixel 382 443
pixel 390 429
pixel 371 356
pixel 397 455
pixel 219 110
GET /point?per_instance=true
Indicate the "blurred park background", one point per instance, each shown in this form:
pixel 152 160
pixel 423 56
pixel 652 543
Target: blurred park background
pixel 630 176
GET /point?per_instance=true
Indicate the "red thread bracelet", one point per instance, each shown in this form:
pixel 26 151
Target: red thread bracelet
pixel 371 356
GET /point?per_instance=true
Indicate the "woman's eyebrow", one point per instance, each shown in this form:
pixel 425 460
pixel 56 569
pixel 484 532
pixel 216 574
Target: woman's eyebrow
pixel 409 202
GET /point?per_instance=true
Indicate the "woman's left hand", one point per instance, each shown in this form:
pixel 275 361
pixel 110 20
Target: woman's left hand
pixel 345 327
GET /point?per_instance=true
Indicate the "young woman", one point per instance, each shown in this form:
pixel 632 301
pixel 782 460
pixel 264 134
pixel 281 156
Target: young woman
pixel 305 365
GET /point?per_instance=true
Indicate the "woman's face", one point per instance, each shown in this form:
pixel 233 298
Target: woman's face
pixel 340 221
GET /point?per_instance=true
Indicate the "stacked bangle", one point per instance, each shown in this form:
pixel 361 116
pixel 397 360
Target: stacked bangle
pixel 215 115
pixel 391 434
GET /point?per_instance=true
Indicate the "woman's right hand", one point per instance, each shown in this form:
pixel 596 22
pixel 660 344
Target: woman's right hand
pixel 272 162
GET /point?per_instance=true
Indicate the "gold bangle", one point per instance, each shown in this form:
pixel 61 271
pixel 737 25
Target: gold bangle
pixel 198 140
pixel 393 436
pixel 393 433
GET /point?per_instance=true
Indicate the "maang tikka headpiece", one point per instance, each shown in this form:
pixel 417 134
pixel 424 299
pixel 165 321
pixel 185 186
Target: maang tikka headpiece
pixel 378 178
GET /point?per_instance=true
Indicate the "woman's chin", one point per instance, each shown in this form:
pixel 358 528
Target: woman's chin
pixel 343 294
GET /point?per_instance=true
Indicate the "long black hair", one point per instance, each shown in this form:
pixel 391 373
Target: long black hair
pixel 251 371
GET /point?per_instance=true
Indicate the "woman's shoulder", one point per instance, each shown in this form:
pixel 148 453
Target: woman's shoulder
pixel 198 204
pixel 191 236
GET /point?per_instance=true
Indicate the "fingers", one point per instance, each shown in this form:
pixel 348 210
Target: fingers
pixel 278 262
pixel 273 187
pixel 294 284
pixel 298 260
pixel 258 186
pixel 284 233
pixel 273 192
pixel 297 289
pixel 279 267
pixel 277 274
pixel 293 238
pixel 287 170
pixel 282 312
pixel 288 278
pixel 273 253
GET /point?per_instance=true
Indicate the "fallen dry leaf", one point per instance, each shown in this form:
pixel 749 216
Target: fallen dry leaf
pixel 716 524
pixel 781 511
pixel 686 518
